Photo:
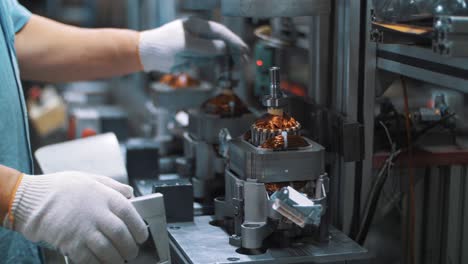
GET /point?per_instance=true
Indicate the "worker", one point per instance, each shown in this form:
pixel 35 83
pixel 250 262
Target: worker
pixel 86 217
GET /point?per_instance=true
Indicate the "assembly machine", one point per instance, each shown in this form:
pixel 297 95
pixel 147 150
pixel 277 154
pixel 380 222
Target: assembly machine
pixel 275 180
pixel 275 202
pixel 173 93
pixel 367 154
pixel 224 115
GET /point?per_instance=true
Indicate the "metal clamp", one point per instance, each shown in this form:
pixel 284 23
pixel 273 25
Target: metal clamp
pixel 296 207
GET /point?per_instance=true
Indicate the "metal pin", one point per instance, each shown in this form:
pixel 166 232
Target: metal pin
pixel 284 134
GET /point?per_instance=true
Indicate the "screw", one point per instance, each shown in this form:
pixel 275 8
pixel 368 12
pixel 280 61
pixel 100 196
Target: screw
pixel 233 259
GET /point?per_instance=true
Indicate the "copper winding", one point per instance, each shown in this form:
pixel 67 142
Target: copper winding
pixel 270 126
pixel 274 122
pixel 182 80
pixel 275 186
pixel 277 143
pixel 225 104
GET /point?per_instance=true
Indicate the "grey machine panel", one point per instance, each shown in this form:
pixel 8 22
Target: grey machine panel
pixel 274 8
pixel 248 161
pixel 202 243
pixel 179 99
pixel 206 127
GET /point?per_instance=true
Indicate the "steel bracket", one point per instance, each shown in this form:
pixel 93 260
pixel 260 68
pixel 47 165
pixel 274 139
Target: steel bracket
pixel 333 130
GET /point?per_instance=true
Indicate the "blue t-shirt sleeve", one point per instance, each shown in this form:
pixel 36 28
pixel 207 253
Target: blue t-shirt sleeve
pixel 19 14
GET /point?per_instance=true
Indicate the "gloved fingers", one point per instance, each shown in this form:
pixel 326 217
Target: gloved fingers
pixel 82 256
pixel 120 237
pixel 199 47
pixel 124 210
pixel 102 248
pixel 213 30
pixel 124 189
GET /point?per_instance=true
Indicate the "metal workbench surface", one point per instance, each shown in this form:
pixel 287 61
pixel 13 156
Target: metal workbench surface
pixel 200 242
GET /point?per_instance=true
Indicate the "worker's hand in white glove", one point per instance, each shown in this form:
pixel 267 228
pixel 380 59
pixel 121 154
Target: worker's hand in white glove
pixel 86 217
pixel 179 43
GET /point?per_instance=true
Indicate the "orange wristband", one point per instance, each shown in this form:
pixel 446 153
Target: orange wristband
pixel 12 198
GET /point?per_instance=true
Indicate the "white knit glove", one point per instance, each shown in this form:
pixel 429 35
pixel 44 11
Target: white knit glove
pixel 179 43
pixel 86 217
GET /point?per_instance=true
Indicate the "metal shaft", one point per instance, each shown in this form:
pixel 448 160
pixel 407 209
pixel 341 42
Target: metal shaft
pixel 275 89
pixel 275 99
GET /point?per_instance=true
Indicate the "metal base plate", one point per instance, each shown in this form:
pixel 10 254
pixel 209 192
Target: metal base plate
pixel 202 243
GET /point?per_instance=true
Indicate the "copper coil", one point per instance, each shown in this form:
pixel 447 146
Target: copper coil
pixel 277 143
pixel 270 126
pixel 181 80
pixel 269 121
pixel 276 186
pixel 225 104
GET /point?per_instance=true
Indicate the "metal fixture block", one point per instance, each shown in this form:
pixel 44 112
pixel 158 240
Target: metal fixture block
pixel 206 127
pixel 265 165
pixel 178 199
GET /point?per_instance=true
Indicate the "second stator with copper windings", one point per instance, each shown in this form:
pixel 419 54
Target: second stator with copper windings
pixel 275 181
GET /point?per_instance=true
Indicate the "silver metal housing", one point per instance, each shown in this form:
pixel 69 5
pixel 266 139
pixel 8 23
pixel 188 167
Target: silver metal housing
pixel 264 165
pixel 247 209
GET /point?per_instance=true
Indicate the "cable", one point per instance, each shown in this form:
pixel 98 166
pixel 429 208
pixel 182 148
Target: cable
pixel 411 201
pixel 374 196
pixel 392 146
pixel 375 191
pixel 433 125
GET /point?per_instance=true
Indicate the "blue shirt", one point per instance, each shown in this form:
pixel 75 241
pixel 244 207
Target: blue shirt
pixel 15 150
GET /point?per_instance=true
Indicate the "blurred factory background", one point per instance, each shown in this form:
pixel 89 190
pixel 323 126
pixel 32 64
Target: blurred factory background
pixel 381 86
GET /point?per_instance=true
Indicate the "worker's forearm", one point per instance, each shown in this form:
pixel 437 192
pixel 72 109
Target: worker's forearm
pixel 8 182
pixel 54 52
